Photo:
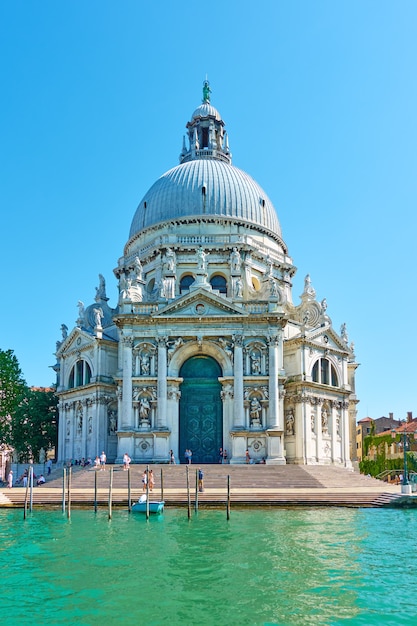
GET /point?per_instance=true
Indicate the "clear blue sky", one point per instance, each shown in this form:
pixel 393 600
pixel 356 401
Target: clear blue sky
pixel 320 103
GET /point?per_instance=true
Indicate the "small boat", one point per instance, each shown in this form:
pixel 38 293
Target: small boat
pixel 154 506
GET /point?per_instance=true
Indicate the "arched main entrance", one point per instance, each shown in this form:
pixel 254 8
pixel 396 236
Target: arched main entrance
pixel 201 417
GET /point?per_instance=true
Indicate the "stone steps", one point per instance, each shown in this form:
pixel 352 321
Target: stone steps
pixel 250 485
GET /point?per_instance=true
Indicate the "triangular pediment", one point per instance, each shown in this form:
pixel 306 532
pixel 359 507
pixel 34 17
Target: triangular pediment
pixel 326 337
pixel 323 337
pixel 78 339
pixel 200 303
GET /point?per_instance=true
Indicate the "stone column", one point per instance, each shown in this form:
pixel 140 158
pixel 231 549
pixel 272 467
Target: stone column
pixel 127 412
pixel 174 395
pixel 274 421
pixel 162 384
pixel 238 417
pixel 344 432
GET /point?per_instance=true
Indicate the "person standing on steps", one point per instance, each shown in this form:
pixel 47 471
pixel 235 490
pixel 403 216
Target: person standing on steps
pixel 221 455
pixel 144 480
pixel 200 479
pixel 10 479
pixel 126 461
pixel 103 459
pixel 151 480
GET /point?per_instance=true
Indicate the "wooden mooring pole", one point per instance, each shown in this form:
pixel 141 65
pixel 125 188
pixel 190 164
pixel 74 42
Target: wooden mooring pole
pixel 110 492
pixel 129 493
pixel 26 501
pixel 188 492
pixel 64 483
pixel 196 491
pixel 162 484
pixel 69 492
pixel 95 490
pixel 228 498
pixel 31 488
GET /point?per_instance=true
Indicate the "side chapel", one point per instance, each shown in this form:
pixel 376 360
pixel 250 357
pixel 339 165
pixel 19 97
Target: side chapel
pixel 205 348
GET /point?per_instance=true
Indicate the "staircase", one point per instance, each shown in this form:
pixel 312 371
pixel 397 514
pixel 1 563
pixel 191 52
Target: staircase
pixel 250 485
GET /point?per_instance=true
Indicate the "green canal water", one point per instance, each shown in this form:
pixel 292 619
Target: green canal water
pixel 264 566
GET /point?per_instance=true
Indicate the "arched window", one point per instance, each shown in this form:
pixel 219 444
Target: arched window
pixel 324 372
pixel 219 283
pixel 185 282
pixel 79 375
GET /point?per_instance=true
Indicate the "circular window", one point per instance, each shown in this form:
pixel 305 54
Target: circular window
pixel 200 308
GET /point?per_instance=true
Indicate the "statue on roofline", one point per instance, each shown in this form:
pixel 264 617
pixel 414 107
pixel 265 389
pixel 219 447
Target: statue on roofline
pixel 206 91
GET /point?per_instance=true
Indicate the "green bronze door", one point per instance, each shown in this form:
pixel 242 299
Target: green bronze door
pixel 201 423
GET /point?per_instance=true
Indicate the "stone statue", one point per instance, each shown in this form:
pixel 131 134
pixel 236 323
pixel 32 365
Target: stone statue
pixel 308 287
pixel 122 286
pixel 201 259
pixel 101 289
pixel 226 347
pixel 98 316
pixel 144 364
pixel 273 289
pixel 138 268
pixel 255 410
pixel 343 333
pixel 144 409
pixel 112 423
pixel 170 260
pixel 289 424
pixel 79 423
pixel 324 420
pixel 313 423
pixel 255 364
pixel 235 260
pixel 64 330
pixel 238 288
pixel 81 310
pixel 90 425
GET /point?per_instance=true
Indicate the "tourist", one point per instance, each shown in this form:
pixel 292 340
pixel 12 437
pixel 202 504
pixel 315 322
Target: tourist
pixel 247 455
pixel 200 479
pixel 144 480
pixel 49 466
pixel 171 457
pixel 10 479
pixel 225 456
pixel 151 480
pixel 103 459
pixel 97 462
pixel 188 455
pixel 221 455
pixel 126 461
pixel 41 480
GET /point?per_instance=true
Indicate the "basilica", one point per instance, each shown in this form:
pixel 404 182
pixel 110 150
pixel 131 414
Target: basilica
pixel 206 348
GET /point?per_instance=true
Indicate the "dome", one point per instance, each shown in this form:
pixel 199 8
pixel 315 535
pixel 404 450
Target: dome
pixel 206 110
pixel 206 187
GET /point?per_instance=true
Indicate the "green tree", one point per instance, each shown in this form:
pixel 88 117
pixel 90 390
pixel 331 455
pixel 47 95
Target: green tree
pixel 34 424
pixel 12 391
